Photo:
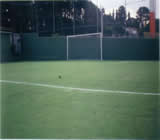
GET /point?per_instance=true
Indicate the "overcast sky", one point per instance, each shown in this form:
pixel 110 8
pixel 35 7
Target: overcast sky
pixel 132 5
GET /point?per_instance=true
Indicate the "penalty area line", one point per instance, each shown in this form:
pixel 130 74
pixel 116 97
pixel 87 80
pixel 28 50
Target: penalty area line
pixel 78 89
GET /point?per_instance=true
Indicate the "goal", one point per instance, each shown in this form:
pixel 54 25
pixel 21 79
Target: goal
pixel 84 47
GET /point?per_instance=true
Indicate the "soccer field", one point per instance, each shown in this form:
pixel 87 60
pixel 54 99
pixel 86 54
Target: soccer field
pixel 80 99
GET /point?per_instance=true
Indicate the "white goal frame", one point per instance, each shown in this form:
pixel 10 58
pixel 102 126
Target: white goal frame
pixel 83 35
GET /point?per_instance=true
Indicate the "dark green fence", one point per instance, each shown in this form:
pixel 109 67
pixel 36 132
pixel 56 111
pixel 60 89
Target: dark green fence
pixel 43 48
pixel 130 49
pixel 54 48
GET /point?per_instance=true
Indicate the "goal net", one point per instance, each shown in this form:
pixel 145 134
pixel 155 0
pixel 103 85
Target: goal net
pixel 84 47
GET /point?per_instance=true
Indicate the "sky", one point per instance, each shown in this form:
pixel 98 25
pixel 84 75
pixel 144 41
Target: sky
pixel 132 5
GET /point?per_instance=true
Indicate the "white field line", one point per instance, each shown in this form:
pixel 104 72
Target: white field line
pixel 78 89
pixel 72 139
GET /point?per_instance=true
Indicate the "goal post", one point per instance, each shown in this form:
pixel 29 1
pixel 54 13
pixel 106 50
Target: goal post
pixel 94 41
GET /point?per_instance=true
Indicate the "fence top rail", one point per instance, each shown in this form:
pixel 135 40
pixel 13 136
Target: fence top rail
pixel 81 35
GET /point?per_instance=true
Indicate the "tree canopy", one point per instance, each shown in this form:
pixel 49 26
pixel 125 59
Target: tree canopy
pixel 65 17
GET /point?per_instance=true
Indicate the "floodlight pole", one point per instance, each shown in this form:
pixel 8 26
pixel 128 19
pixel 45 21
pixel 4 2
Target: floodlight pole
pixel 125 4
pixel 97 17
pixel 102 21
pixel 53 16
pixel 73 17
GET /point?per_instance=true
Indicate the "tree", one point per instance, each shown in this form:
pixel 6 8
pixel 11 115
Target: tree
pixel 147 28
pixel 121 15
pixel 132 22
pixel 108 24
pixel 58 16
pixel 143 16
pixel 118 30
pixel 129 15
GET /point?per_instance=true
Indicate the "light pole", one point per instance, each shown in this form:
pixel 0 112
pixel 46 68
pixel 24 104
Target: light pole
pixel 102 13
pixel 125 4
pixel 97 18
pixel 73 17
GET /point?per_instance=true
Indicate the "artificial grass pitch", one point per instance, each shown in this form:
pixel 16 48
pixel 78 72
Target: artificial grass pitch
pixel 43 112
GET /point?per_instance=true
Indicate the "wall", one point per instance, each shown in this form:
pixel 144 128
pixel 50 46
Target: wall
pixel 130 49
pixel 54 48
pixel 43 48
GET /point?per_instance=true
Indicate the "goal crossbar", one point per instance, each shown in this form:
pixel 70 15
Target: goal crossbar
pixel 82 35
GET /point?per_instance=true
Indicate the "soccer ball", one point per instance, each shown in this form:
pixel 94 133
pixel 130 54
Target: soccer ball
pixel 60 77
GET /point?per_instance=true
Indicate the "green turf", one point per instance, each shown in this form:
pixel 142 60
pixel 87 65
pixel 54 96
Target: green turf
pixel 39 112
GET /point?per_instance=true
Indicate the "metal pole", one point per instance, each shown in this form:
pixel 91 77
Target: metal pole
pixel 53 18
pixel 101 36
pixel 73 17
pixel 102 21
pixel 101 46
pixel 67 49
pixel 97 16
pixel 37 17
pixel 125 4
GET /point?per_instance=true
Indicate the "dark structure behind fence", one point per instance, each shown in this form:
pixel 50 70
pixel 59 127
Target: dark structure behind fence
pixel 54 48
pixel 6 54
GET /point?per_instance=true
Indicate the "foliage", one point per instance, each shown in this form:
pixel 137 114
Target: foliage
pixel 118 30
pixel 66 17
pixel 121 15
pixel 132 22
pixel 143 16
